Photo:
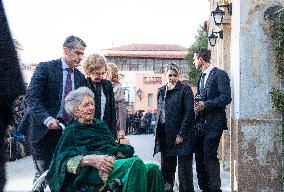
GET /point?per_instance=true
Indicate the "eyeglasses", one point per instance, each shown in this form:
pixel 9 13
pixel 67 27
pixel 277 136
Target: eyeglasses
pixel 173 75
pixel 98 73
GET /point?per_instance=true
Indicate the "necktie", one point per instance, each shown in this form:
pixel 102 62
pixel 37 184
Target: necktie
pixel 68 84
pixel 68 87
pixel 201 85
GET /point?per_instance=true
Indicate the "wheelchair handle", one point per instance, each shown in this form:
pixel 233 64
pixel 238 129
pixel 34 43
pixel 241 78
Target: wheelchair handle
pixel 61 126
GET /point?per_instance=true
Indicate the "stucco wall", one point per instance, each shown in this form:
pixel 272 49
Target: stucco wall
pixel 256 149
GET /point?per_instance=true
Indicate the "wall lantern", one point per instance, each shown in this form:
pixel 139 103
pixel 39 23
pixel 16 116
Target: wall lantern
pixel 218 14
pixel 139 93
pixel 213 38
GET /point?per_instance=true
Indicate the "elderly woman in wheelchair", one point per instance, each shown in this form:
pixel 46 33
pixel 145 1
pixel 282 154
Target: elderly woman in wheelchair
pixel 87 158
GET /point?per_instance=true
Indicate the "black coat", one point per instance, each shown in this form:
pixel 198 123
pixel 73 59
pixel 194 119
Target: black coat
pixel 11 83
pixel 45 95
pixel 110 112
pixel 216 95
pixel 179 116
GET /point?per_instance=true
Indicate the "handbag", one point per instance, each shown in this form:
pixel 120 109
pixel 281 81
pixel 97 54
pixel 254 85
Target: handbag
pixel 123 141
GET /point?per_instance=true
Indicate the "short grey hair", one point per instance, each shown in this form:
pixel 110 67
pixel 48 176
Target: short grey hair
pixel 71 41
pixel 74 99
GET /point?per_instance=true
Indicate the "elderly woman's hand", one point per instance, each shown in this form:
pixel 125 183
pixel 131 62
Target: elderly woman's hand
pixel 101 162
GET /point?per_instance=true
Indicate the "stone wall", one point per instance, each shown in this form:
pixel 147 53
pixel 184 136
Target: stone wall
pixel 252 145
pixel 255 129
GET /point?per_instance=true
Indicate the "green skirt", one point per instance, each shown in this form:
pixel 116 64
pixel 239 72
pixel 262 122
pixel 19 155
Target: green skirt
pixel 137 176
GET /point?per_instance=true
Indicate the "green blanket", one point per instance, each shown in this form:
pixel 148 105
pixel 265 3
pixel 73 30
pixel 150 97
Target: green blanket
pixel 85 139
pixel 82 139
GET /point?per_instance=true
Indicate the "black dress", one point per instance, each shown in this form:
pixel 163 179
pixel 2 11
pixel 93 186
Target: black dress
pixel 109 112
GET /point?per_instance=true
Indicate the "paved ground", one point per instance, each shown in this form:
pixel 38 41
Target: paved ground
pixel 20 172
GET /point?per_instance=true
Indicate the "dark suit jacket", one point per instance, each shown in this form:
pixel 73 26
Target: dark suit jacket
pixel 179 116
pixel 110 112
pixel 45 94
pixel 216 95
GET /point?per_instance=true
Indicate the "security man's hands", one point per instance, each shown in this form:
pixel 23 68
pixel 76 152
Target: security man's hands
pixel 199 105
pixel 179 140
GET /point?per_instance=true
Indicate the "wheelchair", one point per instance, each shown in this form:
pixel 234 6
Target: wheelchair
pixel 38 183
pixel 115 186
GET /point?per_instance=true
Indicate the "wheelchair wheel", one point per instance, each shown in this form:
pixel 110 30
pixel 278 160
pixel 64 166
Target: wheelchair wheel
pixel 38 183
pixel 115 186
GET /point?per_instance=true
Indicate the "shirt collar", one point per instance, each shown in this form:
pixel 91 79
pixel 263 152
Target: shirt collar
pixel 64 64
pixel 208 70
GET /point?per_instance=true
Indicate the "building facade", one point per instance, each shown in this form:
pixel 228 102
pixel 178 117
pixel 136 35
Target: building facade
pixel 146 91
pixel 251 148
pixel 143 66
pixel 147 57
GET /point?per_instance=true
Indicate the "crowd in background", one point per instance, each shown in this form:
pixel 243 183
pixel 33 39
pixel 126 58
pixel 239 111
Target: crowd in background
pixel 140 122
pixel 16 143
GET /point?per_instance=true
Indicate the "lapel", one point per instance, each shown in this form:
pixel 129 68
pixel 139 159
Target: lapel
pixel 103 85
pixel 160 100
pixel 163 92
pixel 198 81
pixel 57 73
pixel 76 78
pixel 210 77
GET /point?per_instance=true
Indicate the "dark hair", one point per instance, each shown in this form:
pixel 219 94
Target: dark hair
pixel 203 53
pixel 172 66
pixel 71 41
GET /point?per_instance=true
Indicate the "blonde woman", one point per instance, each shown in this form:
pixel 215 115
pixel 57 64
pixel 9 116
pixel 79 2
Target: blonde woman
pixel 120 104
pixel 95 67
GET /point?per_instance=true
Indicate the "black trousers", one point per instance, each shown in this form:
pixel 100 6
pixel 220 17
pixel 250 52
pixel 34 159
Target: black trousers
pixel 168 168
pixel 207 162
pixel 42 152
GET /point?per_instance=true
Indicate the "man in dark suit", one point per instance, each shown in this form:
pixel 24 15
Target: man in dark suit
pixel 214 94
pixel 50 83
pixel 11 84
